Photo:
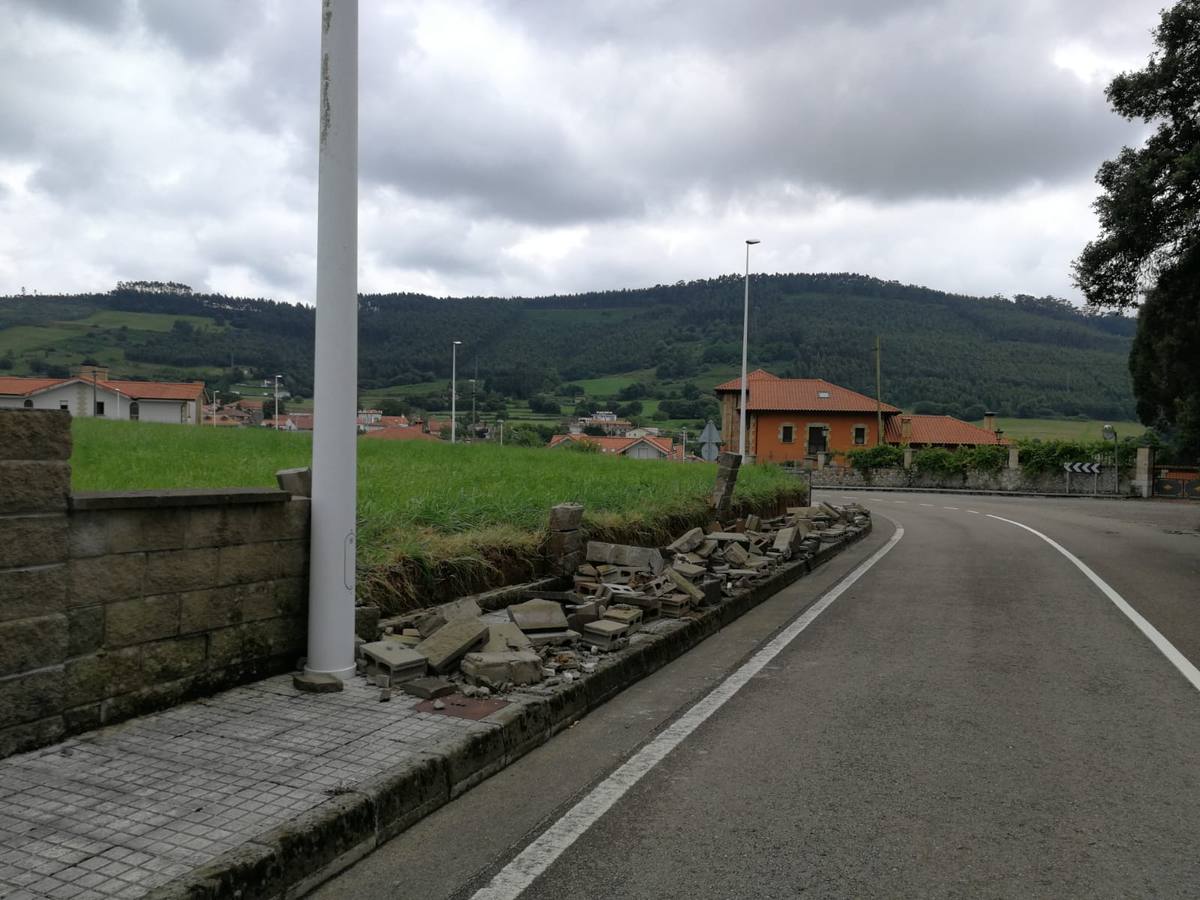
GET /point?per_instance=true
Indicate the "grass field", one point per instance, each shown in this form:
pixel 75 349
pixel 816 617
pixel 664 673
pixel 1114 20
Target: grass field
pixel 426 508
pixel 1064 429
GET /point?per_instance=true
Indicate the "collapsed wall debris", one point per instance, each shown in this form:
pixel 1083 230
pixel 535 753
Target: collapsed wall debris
pixel 614 592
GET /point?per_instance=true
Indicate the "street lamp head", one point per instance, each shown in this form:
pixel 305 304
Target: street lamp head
pixel 1110 433
pixel 753 241
pixel 457 342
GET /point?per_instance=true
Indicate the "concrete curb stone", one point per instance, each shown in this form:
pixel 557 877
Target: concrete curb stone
pixel 292 859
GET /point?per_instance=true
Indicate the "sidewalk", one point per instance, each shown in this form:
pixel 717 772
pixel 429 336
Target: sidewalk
pixel 265 791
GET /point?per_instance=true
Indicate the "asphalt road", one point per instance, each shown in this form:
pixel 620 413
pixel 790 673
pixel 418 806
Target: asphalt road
pixel 973 717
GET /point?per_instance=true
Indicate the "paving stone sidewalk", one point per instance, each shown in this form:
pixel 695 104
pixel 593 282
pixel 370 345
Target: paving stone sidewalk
pixel 121 811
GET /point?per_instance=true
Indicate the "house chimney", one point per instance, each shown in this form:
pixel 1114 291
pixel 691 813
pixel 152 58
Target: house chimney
pixel 905 429
pixel 989 421
pixel 93 372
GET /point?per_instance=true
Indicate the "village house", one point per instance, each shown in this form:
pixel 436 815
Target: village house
pixel 92 393
pixel 808 419
pixel 637 448
pixel 605 420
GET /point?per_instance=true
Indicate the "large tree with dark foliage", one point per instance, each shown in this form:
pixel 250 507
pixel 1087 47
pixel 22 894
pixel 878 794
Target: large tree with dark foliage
pixel 1148 252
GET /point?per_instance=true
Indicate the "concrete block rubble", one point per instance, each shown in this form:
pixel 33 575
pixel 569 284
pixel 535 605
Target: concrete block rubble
pixel 613 593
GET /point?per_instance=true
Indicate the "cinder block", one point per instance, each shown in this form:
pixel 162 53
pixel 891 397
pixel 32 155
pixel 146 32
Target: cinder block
pixel 143 619
pixel 174 658
pixel 171 571
pixel 25 593
pixel 134 530
pixel 88 533
pixel 291 599
pixel 34 486
pixel 35 434
pixel 566 517
pixel 297 482
pixel 262 562
pixel 85 630
pixel 99 675
pixel 31 696
pixel 565 543
pixel 104 579
pixel 34 540
pixel 32 643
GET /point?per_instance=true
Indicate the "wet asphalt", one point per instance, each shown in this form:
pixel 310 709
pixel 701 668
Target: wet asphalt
pixel 973 718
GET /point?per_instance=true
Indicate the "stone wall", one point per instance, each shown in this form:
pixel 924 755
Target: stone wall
pixel 112 605
pixel 1015 480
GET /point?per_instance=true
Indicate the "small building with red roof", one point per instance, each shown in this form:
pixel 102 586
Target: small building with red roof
pixel 93 393
pixel 646 447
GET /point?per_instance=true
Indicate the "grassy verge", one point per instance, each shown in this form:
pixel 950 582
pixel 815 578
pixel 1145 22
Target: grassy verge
pixel 434 519
pixel 1064 429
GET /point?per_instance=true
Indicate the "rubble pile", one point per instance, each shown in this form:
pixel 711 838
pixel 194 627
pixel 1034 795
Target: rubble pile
pixel 615 591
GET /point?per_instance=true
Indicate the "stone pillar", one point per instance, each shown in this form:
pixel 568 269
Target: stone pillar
pixel 1143 478
pixel 1014 458
pixel 35 475
pixel 722 496
pixel 566 546
pixel 821 458
pixel 908 457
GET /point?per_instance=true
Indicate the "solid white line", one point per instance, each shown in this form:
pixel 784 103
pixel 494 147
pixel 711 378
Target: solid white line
pixel 930 505
pixel 1181 662
pixel 973 512
pixel 955 508
pixel 531 862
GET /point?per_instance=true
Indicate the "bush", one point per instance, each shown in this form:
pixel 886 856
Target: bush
pixel 879 457
pixel 939 461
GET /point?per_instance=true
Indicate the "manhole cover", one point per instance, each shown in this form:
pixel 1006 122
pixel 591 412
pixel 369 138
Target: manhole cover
pixel 462 707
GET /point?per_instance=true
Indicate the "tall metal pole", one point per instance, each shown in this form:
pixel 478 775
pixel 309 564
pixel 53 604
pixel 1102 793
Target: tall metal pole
pixel 276 402
pixel 454 392
pixel 745 350
pixel 878 397
pixel 335 479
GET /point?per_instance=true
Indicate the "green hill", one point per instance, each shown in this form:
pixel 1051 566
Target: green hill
pixel 1026 357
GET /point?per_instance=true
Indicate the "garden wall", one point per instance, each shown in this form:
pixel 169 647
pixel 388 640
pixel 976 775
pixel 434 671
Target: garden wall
pixel 1016 480
pixel 116 604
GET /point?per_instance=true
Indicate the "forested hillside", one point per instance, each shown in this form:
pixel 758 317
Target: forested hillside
pixel 1022 357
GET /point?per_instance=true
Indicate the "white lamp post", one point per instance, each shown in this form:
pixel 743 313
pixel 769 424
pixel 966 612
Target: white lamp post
pixel 454 391
pixel 745 348
pixel 277 377
pixel 335 478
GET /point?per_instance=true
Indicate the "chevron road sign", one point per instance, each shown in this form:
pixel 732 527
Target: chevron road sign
pixel 1085 468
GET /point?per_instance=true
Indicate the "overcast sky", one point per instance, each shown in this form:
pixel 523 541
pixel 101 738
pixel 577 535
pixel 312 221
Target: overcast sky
pixel 539 146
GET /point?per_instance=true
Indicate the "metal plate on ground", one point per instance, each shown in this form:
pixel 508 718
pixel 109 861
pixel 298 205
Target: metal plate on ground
pixel 462 707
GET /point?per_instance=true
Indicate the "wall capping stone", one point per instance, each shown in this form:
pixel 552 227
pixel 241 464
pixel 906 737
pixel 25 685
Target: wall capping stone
pixel 175 497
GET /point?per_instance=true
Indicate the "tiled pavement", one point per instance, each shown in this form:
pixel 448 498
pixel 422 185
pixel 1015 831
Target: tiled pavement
pixel 118 812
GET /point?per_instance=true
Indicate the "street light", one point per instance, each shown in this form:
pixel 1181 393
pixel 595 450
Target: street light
pixel 500 422
pixel 454 391
pixel 745 347
pixel 1110 434
pixel 277 377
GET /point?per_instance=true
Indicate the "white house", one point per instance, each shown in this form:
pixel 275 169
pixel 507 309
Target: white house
pixel 92 393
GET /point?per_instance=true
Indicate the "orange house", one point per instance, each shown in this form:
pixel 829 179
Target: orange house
pixel 790 419
pixel 794 419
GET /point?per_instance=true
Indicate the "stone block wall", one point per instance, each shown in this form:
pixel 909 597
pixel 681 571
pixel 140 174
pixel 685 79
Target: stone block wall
pixel 1015 480
pixel 112 605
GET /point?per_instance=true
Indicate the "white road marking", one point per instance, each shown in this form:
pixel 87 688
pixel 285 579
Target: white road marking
pixel 1181 662
pixel 899 501
pixel 955 508
pixel 531 862
pixel 973 512
pixel 930 505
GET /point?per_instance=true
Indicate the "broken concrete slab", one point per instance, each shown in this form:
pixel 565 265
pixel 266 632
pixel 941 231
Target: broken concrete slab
pixel 538 615
pixel 685 585
pixel 428 688
pixel 629 616
pixel 399 663
pixel 688 569
pixel 451 642
pixel 604 634
pixel 429 623
pixel 507 667
pixel 645 558
pixel 726 536
pixel 503 637
pixel 688 541
pixel 551 638
pixel 736 554
pixel 463 608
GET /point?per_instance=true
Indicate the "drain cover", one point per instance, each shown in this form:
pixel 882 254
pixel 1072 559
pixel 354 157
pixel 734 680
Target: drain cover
pixel 462 707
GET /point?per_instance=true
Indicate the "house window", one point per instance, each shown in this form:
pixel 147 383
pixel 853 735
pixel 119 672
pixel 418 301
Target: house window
pixel 99 407
pixel 133 410
pixel 860 434
pixel 64 406
pixel 29 404
pixel 787 434
pixel 822 395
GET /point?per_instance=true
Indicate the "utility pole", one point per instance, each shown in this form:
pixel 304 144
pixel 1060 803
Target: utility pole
pixel 878 397
pixel 332 565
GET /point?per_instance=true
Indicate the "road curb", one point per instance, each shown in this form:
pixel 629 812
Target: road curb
pixel 294 858
pixel 926 490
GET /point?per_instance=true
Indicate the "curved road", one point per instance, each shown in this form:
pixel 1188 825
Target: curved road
pixel 971 717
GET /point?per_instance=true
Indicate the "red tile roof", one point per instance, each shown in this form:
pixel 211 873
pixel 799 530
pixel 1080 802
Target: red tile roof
pixel 399 434
pixel 137 390
pixel 940 430
pixel 620 445
pixel 768 393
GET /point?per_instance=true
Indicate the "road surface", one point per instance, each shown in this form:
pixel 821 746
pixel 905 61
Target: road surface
pixel 973 716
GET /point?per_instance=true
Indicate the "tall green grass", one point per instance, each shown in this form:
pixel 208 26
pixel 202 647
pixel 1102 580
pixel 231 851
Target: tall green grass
pixel 433 502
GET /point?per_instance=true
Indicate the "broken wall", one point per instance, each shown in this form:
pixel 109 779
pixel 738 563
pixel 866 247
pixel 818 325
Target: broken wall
pixel 116 604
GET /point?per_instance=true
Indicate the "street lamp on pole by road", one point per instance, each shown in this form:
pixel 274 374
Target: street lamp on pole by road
pixel 454 391
pixel 277 377
pixel 745 346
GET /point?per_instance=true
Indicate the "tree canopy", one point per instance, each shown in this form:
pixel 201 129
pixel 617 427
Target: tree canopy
pixel 1148 251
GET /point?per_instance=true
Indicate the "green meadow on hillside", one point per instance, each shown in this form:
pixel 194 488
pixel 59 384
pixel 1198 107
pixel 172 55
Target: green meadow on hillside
pixel 427 510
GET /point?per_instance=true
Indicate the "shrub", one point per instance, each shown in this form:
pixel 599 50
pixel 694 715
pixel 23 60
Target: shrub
pixel 939 461
pixel 878 457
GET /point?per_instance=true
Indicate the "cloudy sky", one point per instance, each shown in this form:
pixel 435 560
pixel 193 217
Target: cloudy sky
pixel 538 146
